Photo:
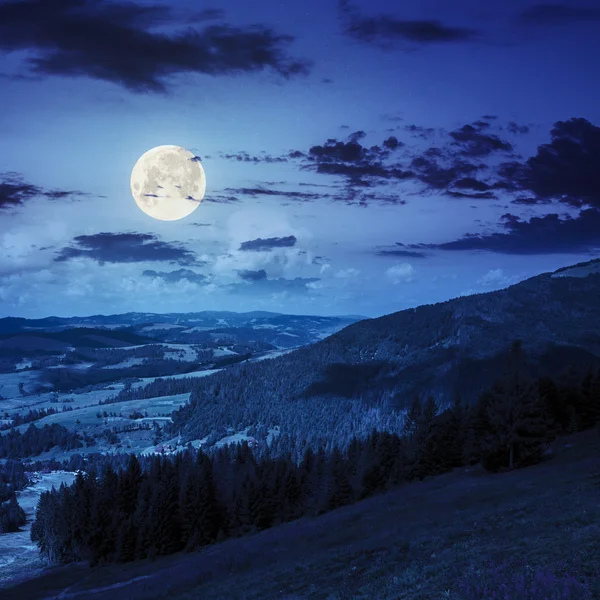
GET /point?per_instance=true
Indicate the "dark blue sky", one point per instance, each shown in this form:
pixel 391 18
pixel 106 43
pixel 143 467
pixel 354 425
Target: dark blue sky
pixel 361 157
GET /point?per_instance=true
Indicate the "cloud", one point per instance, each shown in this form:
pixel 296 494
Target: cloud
pixel 515 128
pixel 419 131
pixel 391 118
pixel 384 30
pixel 117 42
pixel 175 276
pixel 549 234
pixel 245 157
pixel 469 187
pixel 428 170
pixel 558 14
pixel 220 199
pixel 401 273
pixel 392 143
pixel 496 278
pixel 474 143
pixel 350 273
pixel 463 165
pixel 268 243
pixel 529 200
pixel 566 169
pixel 357 136
pixel 354 161
pixel 254 192
pixel 125 248
pixel 399 252
pixel 14 191
pixel 473 195
pixel 249 275
pixel 262 286
pixel 470 183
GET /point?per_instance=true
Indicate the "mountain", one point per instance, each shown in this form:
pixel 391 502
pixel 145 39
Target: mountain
pixel 75 337
pixel 272 330
pixel 350 380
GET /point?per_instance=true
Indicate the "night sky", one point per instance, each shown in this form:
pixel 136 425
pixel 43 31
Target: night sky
pixel 361 157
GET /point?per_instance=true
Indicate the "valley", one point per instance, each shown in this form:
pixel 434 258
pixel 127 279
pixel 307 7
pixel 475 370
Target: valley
pixel 103 388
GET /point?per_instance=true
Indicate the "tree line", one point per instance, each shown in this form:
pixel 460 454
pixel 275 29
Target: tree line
pixel 35 440
pixel 12 478
pixel 32 415
pixel 157 505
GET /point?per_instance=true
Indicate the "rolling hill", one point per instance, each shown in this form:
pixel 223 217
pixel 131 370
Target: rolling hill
pixel 455 347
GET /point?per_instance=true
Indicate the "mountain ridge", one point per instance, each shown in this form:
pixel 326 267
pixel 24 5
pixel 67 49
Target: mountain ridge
pixel 459 346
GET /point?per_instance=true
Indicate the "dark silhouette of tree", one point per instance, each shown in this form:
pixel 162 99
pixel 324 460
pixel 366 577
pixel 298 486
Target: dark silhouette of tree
pixel 516 424
pixel 12 516
pixel 125 508
pixel 339 490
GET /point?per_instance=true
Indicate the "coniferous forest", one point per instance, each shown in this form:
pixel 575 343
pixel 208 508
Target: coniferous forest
pixel 121 510
pixel 12 478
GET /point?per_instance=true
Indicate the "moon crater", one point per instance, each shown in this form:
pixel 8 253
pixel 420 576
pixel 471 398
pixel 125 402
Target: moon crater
pixel 167 183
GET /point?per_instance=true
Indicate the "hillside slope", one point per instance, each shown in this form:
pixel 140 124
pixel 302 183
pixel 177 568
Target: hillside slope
pixel 422 541
pixel 458 346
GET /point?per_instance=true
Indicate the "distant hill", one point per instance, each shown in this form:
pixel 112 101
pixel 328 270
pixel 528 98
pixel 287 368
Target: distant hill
pixel 458 346
pixel 78 337
pixel 272 330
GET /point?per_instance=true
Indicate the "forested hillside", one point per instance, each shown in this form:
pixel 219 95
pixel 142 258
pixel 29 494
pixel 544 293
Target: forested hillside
pixel 160 505
pixel 354 380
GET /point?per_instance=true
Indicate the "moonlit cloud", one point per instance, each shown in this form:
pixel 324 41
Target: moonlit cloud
pixel 268 244
pixel 125 248
pixel 401 273
pixel 342 177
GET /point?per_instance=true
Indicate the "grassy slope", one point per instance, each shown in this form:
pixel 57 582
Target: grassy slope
pixel 407 544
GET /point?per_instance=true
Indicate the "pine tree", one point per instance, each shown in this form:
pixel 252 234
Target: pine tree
pixel 143 520
pixel 340 491
pixel 262 507
pixel 129 486
pixel 165 509
pixel 516 424
pixel 126 540
pixel 103 519
pixel 12 516
pixel 210 513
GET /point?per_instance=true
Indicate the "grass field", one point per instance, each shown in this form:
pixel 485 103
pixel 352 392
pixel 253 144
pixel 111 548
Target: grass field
pixel 422 541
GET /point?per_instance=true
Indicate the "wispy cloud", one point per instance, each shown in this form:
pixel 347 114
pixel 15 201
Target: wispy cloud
pixel 268 243
pixel 176 276
pixel 549 234
pixel 387 30
pixel 15 191
pixel 125 248
pixel 87 38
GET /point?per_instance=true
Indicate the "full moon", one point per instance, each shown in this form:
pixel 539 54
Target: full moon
pixel 168 183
